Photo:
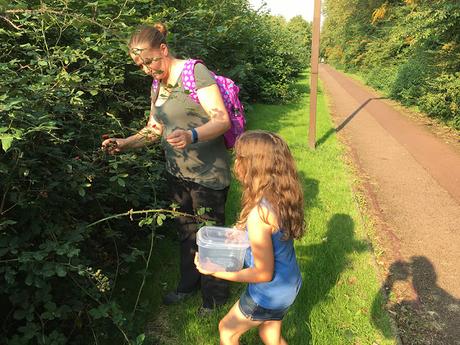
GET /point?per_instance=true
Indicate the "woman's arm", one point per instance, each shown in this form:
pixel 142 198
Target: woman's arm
pixel 146 135
pixel 260 237
pixel 219 122
pixel 212 102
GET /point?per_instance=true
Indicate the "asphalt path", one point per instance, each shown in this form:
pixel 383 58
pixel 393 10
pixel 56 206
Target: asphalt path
pixel 411 177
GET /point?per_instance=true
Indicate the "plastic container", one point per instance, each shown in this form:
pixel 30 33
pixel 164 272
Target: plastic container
pixel 221 249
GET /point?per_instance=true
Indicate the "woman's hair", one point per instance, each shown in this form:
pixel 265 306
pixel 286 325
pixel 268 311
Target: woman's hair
pixel 266 169
pixel 153 35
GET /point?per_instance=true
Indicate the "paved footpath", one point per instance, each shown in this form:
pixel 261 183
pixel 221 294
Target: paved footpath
pixel 412 180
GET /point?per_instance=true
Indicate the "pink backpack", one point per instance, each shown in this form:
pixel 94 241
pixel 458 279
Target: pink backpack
pixel 229 91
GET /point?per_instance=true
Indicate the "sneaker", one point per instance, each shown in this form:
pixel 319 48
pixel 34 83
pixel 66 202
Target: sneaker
pixel 204 312
pixel 175 297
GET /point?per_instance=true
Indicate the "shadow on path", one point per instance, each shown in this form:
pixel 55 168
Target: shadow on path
pixel 345 122
pixel 433 317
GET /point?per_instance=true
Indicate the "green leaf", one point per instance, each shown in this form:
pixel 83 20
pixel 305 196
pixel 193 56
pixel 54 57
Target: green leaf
pixel 48 316
pixel 93 4
pixel 140 339
pixel 19 314
pixel 159 221
pixel 99 312
pixel 29 279
pixel 60 271
pixel 6 142
pixel 50 306
pixel 5 223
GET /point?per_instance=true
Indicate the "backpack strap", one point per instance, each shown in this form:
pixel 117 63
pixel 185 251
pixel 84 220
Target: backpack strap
pixel 188 78
pixel 155 90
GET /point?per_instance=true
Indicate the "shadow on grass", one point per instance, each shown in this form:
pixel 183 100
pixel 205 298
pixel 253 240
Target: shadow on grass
pixel 310 193
pixel 322 264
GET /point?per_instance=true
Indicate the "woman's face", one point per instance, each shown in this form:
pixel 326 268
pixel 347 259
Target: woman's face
pixel 150 60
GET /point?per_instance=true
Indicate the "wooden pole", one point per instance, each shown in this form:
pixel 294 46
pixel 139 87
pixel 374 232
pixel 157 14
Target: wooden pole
pixel 314 73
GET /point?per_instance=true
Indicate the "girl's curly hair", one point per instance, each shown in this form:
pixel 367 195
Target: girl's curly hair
pixel 266 169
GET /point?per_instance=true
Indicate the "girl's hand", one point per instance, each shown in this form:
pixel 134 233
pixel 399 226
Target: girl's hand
pixel 113 145
pixel 179 138
pixel 208 268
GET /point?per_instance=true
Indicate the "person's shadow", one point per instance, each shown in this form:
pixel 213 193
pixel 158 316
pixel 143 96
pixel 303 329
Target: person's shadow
pixel 322 265
pixel 432 318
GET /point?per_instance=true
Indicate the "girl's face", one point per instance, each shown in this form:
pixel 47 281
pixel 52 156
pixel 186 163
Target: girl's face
pixel 150 60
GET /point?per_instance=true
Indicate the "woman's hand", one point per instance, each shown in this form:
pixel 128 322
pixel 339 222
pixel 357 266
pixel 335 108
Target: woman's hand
pixel 179 138
pixel 113 145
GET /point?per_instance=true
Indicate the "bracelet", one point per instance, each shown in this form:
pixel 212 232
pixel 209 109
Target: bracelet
pixel 194 135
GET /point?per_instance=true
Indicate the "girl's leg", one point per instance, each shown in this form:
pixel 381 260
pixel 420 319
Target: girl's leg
pixel 234 325
pixel 270 333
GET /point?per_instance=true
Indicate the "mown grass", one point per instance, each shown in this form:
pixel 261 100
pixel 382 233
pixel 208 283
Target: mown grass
pixel 339 302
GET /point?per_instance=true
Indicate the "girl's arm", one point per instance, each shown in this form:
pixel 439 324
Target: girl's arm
pixel 212 102
pixel 260 237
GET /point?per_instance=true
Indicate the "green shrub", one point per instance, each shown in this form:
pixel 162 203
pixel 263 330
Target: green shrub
pixel 67 80
pixel 381 78
pixel 410 80
pixel 442 98
pixel 399 47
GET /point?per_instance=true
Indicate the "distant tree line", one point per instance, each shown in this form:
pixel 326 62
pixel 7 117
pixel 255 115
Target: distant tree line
pixel 409 49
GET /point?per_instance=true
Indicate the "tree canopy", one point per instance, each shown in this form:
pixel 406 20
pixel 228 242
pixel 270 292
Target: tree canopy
pixel 410 49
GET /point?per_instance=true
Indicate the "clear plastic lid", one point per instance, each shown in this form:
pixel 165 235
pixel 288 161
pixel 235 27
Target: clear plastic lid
pixel 221 237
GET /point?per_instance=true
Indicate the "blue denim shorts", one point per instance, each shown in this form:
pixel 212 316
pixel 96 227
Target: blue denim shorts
pixel 255 312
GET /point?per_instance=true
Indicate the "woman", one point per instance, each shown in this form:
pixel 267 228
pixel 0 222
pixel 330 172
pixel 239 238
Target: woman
pixel 197 161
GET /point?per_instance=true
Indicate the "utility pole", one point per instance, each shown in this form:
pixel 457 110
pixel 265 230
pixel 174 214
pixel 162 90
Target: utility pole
pixel 314 73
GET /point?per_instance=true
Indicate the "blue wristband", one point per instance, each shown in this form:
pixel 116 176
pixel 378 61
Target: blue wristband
pixel 194 136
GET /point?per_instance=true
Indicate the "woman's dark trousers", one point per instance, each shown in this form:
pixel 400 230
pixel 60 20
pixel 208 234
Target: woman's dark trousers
pixel 192 196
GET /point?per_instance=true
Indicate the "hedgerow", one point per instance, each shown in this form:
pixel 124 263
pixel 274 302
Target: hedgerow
pixel 67 80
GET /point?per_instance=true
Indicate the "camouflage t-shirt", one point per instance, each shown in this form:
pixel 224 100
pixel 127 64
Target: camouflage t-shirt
pixel 205 162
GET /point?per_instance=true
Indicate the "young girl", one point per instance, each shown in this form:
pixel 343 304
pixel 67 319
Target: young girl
pixel 272 213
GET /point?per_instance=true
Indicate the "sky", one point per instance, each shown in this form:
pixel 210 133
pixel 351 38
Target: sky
pixel 288 8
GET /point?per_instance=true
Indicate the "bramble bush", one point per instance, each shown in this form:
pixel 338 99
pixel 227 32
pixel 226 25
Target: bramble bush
pixel 66 81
